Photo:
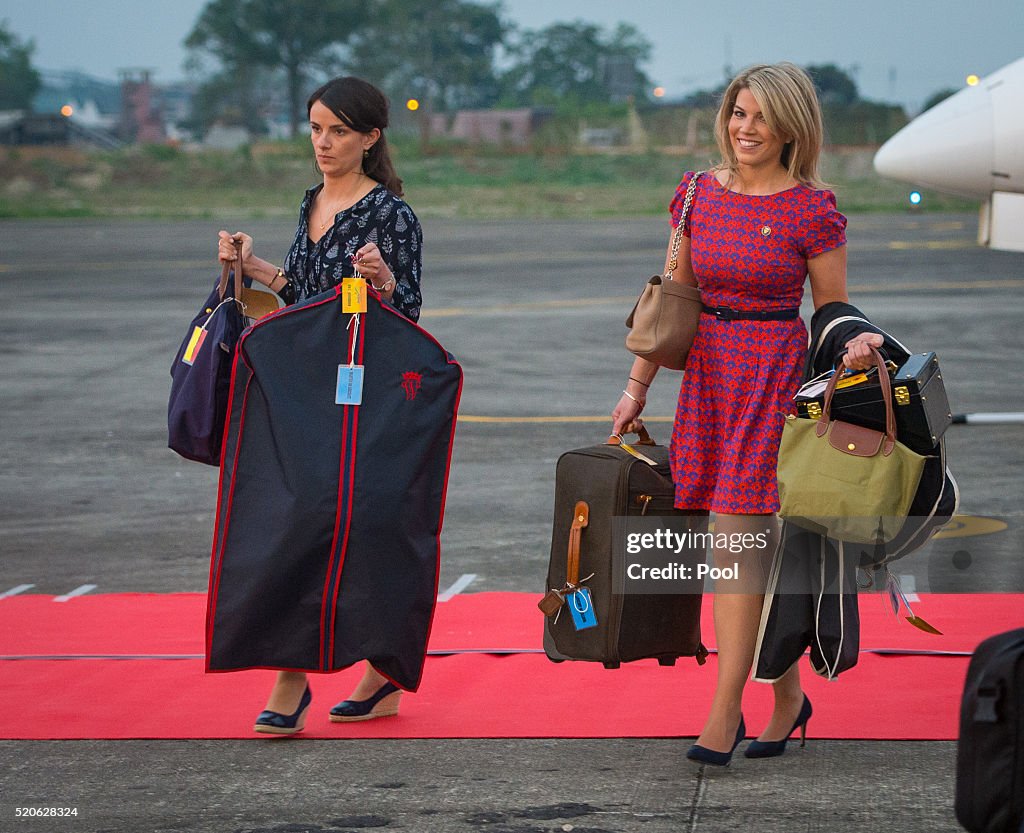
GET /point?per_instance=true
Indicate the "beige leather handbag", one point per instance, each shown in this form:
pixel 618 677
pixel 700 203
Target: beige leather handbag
pixel 664 320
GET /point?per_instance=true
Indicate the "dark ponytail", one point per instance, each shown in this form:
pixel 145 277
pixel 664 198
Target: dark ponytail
pixel 362 107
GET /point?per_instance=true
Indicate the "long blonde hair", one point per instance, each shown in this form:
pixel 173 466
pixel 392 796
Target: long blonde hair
pixel 791 110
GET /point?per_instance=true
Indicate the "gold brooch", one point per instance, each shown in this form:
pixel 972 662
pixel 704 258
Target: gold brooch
pixel 766 230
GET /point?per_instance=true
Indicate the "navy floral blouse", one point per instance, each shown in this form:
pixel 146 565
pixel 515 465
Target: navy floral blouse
pixel 380 217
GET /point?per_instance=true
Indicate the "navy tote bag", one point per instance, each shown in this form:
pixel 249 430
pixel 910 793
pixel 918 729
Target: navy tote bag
pixel 201 372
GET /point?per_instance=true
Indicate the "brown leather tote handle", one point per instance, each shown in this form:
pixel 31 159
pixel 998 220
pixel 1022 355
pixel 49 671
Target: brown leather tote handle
pixel 226 270
pixel 580 518
pixel 883 382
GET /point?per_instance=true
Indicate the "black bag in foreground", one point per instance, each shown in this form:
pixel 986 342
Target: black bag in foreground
pixel 593 486
pixel 201 373
pixel 990 753
pixel 921 405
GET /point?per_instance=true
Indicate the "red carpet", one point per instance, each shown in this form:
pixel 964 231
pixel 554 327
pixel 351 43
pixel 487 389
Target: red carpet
pixel 127 693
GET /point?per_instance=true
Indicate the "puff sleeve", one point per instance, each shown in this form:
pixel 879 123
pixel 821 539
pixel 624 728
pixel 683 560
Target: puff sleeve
pixel 675 208
pixel 825 228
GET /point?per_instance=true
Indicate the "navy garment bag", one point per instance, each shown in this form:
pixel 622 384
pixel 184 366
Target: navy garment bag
pixel 327 537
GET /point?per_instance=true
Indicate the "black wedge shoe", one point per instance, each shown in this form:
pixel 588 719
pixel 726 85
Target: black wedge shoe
pixel 703 755
pixel 383 703
pixel 275 723
pixel 774 748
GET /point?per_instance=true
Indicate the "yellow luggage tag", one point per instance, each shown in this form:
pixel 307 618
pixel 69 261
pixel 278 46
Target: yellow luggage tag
pixel 195 344
pixel 353 295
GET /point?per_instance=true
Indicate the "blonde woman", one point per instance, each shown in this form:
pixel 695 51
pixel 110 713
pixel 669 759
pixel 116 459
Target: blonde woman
pixel 760 226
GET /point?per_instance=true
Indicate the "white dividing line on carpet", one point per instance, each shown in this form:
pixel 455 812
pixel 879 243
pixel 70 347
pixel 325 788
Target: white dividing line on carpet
pixel 461 584
pixel 78 591
pixel 14 591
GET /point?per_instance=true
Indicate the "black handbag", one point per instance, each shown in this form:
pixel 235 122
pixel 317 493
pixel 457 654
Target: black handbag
pixel 201 371
pixel 919 396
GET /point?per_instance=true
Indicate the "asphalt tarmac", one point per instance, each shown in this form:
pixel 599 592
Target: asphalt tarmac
pixel 90 318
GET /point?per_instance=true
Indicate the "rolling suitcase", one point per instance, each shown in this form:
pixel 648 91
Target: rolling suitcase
pixel 990 752
pixel 593 486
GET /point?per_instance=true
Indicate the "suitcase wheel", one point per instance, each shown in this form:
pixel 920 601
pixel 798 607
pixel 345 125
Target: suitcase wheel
pixel 666 660
pixel 611 665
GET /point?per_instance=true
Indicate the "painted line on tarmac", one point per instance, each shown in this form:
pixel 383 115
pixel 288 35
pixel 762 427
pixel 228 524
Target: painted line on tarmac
pixel 112 265
pixel 14 591
pixel 501 309
pixel 999 283
pixel 905 245
pixel 968 526
pixel 470 260
pixel 533 420
pixel 78 591
pixel 989 418
pixel 624 300
pixel 461 584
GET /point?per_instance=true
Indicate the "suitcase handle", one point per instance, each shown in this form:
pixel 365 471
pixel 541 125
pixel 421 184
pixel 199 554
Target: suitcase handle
pixel 580 519
pixel 637 428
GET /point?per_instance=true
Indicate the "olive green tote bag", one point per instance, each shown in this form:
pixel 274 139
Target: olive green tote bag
pixel 846 481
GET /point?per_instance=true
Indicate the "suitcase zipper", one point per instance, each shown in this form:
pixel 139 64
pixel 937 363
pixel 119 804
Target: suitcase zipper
pixel 646 502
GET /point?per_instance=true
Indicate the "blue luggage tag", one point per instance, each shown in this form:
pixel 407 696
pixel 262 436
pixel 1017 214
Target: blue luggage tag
pixel 350 385
pixel 350 376
pixel 582 609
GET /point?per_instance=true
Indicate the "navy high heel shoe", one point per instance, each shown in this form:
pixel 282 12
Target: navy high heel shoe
pixel 703 755
pixel 275 723
pixel 381 704
pixel 772 748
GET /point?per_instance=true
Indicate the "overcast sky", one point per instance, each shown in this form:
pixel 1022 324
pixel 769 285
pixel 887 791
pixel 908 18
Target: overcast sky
pixel 898 50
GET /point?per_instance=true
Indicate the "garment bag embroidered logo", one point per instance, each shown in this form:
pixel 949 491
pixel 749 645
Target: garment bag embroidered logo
pixel 411 382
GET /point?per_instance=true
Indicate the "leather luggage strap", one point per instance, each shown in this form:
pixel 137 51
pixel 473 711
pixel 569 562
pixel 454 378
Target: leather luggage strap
pixel 580 518
pixel 226 270
pixel 889 442
pixel 730 314
pixel 645 439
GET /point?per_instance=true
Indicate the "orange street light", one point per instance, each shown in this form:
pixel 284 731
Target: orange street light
pixel 67 110
pixel 659 92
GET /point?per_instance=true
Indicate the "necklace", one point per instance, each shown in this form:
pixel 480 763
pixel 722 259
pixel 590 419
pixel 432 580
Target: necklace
pixel 337 206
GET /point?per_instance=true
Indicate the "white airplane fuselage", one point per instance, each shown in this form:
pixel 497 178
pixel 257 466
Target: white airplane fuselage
pixel 971 145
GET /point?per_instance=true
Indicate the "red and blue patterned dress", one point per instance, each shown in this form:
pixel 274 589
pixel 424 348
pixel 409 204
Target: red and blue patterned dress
pixel 749 253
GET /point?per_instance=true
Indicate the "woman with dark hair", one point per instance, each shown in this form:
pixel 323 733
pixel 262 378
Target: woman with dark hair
pixel 354 222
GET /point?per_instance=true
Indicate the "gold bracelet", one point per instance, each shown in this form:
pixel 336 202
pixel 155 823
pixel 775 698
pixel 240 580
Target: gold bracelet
pixel 638 402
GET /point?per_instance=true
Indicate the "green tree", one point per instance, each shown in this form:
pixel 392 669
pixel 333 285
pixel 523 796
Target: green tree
pixel 301 38
pixel 835 87
pixel 19 82
pixel 230 92
pixel 938 96
pixel 577 63
pixel 440 51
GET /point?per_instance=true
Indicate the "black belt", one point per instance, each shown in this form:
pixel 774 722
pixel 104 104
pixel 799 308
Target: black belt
pixel 730 314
